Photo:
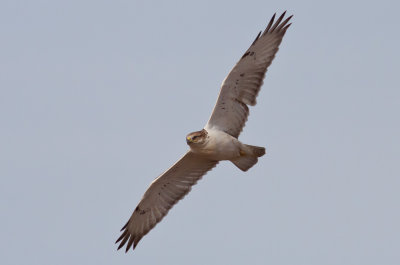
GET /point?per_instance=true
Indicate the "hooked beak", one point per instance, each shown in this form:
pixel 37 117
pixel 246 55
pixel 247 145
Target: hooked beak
pixel 188 140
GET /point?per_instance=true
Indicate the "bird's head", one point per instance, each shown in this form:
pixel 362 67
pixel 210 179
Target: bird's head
pixel 196 137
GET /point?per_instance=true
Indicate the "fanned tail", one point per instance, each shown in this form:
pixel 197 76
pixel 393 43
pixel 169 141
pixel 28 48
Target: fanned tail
pixel 256 150
pixel 249 157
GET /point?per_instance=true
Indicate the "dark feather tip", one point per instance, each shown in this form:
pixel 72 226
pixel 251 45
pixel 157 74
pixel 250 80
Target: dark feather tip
pixel 124 226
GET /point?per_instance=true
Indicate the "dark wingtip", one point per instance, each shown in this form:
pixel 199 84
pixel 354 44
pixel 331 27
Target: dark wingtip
pixel 121 237
pixel 258 36
pixel 120 246
pixel 269 24
pixel 278 21
pixel 128 247
pixel 283 26
pixel 124 226
pixel 123 242
pixel 287 26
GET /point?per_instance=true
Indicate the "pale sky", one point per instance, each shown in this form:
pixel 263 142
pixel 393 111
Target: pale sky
pixel 96 98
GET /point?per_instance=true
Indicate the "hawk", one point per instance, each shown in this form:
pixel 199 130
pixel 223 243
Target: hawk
pixel 217 141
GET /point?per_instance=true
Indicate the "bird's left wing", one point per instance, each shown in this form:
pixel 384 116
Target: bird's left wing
pixel 163 193
pixel 241 86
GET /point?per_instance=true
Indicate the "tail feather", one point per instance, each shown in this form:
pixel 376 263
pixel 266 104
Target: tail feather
pixel 244 163
pixel 256 150
pixel 249 157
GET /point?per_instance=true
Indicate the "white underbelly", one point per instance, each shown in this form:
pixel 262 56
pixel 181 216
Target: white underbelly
pixel 221 146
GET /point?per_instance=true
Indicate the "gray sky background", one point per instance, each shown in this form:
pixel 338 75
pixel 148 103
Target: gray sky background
pixel 96 98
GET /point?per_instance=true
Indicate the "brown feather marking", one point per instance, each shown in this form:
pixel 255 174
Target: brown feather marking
pixel 244 55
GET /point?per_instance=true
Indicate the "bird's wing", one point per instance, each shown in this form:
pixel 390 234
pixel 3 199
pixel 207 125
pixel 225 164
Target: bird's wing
pixel 241 86
pixel 163 193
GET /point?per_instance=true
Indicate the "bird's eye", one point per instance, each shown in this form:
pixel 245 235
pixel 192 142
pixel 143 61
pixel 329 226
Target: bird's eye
pixel 194 137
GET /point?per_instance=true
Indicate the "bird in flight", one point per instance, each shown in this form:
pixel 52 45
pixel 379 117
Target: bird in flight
pixel 217 141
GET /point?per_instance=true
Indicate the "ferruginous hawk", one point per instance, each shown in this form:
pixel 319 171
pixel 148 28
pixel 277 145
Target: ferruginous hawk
pixel 217 141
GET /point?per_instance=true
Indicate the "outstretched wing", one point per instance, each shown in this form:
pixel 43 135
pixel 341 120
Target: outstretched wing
pixel 163 193
pixel 240 88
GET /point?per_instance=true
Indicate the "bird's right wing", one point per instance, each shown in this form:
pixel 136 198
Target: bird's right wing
pixel 163 193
